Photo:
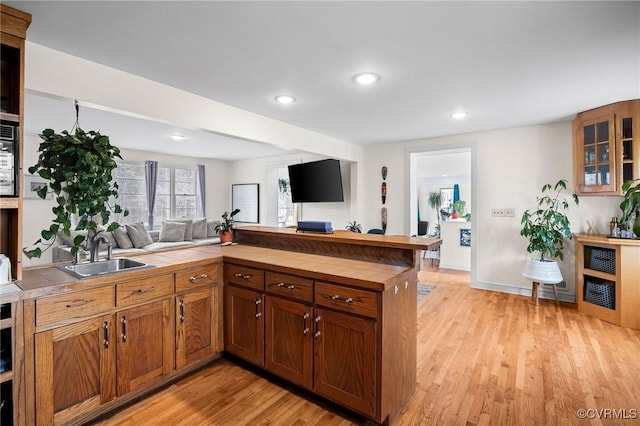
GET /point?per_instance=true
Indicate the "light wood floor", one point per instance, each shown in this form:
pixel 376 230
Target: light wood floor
pixel 484 358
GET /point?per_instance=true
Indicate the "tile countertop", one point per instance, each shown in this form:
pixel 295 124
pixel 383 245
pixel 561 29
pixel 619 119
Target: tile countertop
pixel 48 280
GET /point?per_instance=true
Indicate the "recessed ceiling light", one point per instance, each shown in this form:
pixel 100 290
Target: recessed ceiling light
pixel 366 78
pixel 459 115
pixel 177 137
pixel 285 99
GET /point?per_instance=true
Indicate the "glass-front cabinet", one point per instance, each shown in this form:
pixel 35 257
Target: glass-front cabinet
pixel 606 148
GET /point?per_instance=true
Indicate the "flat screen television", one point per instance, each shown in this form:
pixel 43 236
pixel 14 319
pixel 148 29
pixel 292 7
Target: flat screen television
pixel 316 182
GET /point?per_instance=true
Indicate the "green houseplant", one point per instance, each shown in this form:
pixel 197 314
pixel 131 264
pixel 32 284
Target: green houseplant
pixel 458 209
pixel 354 227
pixel 548 226
pixel 224 228
pixel 78 169
pixel 435 201
pixel 630 206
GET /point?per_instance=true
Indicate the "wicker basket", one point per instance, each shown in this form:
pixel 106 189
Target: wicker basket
pixel 603 260
pixel 601 294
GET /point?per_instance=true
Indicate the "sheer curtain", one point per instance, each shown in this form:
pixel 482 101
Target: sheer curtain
pixel 151 177
pixel 201 187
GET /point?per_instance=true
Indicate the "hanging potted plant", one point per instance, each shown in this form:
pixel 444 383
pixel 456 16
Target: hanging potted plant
pixel 225 227
pixel 77 166
pixel 546 228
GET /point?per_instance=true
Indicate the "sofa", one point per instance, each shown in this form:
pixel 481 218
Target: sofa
pixel 132 239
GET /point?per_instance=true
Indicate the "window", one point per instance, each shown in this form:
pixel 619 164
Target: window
pixel 286 209
pixel 175 193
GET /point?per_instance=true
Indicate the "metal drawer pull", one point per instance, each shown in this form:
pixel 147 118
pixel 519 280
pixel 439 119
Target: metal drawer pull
pixel 258 313
pixel 305 329
pixel 76 303
pixel 105 327
pixel 243 276
pixel 143 290
pixel 289 286
pixel 199 277
pixel 337 298
pixel 182 311
pixel 123 321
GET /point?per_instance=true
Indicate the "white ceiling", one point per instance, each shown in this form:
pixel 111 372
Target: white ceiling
pixel 506 63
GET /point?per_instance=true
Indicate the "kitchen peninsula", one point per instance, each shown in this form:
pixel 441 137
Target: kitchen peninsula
pixel 332 313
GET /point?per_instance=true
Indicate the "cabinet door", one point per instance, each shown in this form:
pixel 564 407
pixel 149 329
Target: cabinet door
pixel 244 324
pixel 197 325
pixel 74 369
pixel 345 359
pixel 596 156
pixel 145 344
pixel 288 340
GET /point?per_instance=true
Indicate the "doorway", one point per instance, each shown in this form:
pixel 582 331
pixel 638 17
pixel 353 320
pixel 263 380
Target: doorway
pixel 447 172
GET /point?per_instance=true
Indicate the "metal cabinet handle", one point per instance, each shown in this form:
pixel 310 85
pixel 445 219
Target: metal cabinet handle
pixel 181 310
pixel 144 290
pixel 317 320
pixel 258 313
pixel 76 303
pixel 337 298
pixel 198 277
pixel 123 321
pixel 305 329
pixel 289 286
pixel 105 327
pixel 243 276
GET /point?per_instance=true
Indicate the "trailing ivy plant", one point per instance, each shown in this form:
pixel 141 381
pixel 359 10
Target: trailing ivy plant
pixel 548 226
pixel 78 169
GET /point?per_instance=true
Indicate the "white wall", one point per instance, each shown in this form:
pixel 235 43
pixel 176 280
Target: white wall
pixel 510 167
pixel 38 215
pixel 262 171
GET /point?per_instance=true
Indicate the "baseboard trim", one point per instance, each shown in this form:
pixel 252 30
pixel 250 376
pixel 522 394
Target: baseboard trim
pixel 544 291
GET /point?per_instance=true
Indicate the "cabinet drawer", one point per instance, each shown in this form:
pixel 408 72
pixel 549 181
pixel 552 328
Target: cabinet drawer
pixel 289 286
pixel 74 305
pixel 346 299
pixel 197 277
pixel 141 290
pixel 244 276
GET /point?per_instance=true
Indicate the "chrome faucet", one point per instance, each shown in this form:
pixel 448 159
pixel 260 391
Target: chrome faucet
pixel 94 248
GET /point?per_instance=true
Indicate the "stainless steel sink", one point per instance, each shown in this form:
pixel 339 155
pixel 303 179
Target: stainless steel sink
pixel 87 270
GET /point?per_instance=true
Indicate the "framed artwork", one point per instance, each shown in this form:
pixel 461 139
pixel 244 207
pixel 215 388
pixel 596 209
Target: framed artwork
pixel 31 185
pixel 246 197
pixel 465 237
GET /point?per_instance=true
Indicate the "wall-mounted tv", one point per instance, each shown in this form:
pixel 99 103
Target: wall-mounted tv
pixel 316 182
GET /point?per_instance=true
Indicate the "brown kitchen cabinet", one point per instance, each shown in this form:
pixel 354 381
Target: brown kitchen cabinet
pixel 75 369
pixel 606 148
pixel 198 308
pixel 244 324
pixel 289 340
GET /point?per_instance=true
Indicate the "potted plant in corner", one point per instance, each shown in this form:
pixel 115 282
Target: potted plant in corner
pixel 354 227
pixel 78 168
pixel 546 228
pixel 435 201
pixel 630 206
pixel 225 227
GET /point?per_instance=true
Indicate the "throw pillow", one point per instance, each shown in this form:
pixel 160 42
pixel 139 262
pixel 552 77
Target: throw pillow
pixel 211 228
pixel 139 235
pixel 122 238
pixel 188 235
pixel 200 228
pixel 172 232
pixel 67 240
pixel 103 231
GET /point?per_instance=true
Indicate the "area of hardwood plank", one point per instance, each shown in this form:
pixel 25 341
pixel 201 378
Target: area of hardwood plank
pixel 483 358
